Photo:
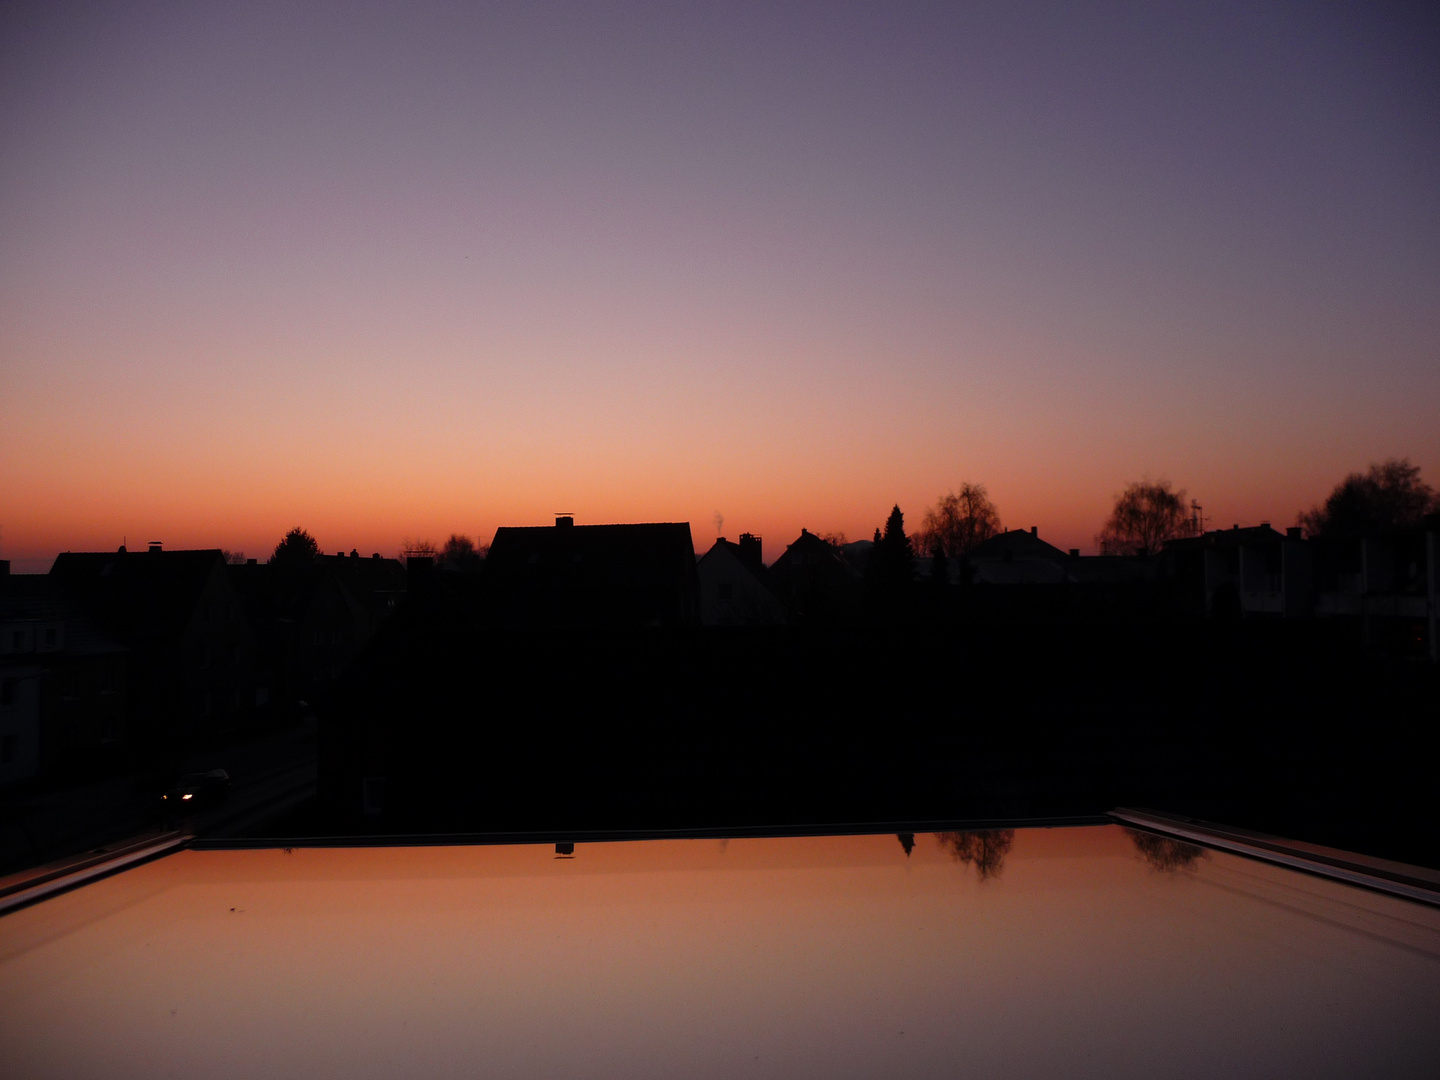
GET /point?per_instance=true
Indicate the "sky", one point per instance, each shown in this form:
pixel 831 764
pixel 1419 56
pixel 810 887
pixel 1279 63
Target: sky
pixel 389 272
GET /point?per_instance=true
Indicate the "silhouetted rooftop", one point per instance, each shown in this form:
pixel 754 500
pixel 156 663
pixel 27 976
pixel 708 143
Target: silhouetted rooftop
pixel 566 574
pixel 1017 544
pixel 143 597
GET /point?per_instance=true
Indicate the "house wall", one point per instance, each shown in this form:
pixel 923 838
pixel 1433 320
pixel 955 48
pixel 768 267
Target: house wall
pixel 19 719
pixel 216 662
pixel 731 596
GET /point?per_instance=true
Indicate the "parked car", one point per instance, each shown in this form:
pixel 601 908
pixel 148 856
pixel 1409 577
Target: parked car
pixel 194 790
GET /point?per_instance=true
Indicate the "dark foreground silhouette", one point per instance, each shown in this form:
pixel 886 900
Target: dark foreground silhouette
pixel 450 723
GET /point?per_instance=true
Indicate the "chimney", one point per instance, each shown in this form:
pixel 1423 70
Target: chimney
pixel 252 562
pixel 4 567
pixel 750 550
pixel 154 545
pixel 564 521
pixel 1074 553
pixel 1034 530
pixel 1293 533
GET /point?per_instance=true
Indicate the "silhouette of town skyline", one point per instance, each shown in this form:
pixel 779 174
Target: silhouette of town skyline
pixel 483 686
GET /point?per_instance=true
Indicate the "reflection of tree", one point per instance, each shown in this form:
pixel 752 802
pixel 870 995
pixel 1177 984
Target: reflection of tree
pixel 1164 854
pixel 907 841
pixel 985 851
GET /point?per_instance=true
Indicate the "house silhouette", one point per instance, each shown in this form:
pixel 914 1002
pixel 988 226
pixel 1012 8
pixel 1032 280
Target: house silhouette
pixel 191 674
pixel 732 586
pixel 592 575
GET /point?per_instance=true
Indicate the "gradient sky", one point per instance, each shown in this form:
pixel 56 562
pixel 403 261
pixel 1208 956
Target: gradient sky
pixel 400 270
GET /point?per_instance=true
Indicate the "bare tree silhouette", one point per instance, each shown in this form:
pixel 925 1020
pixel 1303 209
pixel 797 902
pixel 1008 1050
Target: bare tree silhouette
pixel 1164 854
pixel 985 850
pixel 958 521
pixel 1146 515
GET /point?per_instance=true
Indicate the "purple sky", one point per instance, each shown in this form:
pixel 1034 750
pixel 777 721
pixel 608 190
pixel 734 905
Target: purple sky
pixel 397 271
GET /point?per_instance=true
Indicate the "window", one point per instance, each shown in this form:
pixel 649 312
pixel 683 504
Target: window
pixel 50 637
pixel 7 691
pixel 727 592
pixel 8 747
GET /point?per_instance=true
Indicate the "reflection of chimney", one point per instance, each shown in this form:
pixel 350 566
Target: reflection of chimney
pixel 750 550
pixel 563 521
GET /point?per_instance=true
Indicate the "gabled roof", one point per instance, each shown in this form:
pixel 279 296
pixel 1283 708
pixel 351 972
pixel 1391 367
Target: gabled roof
pixel 726 548
pixel 1017 544
pixel 812 553
pixel 813 582
pixel 268 591
pixel 1233 537
pixel 144 598
pixel 641 574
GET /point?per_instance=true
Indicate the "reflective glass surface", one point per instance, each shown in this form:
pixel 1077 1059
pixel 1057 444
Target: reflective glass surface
pixel 1041 952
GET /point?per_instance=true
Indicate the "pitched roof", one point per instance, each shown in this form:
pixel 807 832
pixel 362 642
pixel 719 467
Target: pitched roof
pixel 812 552
pixel 639 574
pixel 1017 544
pixel 142 597
pixel 1232 537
